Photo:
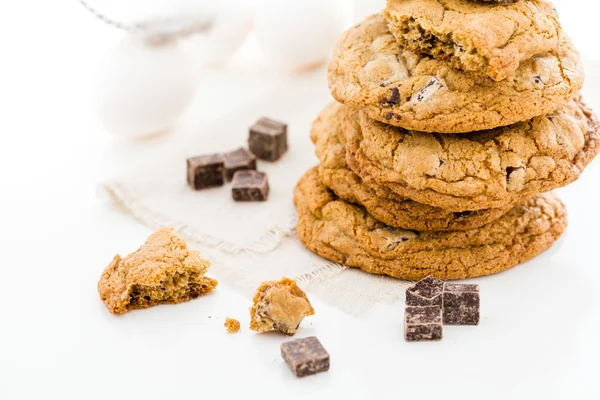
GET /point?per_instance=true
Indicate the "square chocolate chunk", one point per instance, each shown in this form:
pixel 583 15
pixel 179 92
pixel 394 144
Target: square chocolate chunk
pixel 250 186
pixel 205 171
pixel 426 292
pixel 305 356
pixel 268 139
pixel 461 304
pixel 238 160
pixel 423 323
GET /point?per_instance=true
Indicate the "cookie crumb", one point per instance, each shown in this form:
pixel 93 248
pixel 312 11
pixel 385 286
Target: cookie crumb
pixel 232 325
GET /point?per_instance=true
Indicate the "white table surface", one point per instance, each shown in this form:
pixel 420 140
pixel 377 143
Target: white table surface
pixel 538 338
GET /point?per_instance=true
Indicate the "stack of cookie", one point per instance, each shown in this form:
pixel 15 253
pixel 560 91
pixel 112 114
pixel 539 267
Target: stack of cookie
pixel 455 120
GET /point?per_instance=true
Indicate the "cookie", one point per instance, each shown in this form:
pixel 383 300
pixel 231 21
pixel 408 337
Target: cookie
pixel 385 205
pixel 162 271
pixel 475 36
pixel 494 1
pixel 347 234
pixel 371 71
pixel 480 170
pixel 279 305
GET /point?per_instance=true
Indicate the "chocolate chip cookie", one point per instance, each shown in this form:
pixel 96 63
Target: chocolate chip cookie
pixel 479 170
pixel 385 205
pixel 347 234
pixel 370 70
pixel 163 271
pixel 475 36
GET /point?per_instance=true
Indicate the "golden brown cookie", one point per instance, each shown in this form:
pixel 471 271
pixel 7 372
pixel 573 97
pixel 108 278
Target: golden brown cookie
pixel 476 36
pixel 347 234
pixel 392 84
pixel 385 205
pixel 162 271
pixel 480 170
pixel 279 305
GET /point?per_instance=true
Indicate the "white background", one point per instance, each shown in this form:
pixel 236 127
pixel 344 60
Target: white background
pixel 539 333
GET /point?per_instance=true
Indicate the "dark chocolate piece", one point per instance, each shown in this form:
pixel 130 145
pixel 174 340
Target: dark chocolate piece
pixel 423 324
pixel 461 304
pixel 250 186
pixel 268 139
pixel 426 292
pixel 305 356
pixel 205 171
pixel 238 160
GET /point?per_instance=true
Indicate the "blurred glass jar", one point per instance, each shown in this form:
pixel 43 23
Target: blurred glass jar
pixel 299 35
pixel 364 8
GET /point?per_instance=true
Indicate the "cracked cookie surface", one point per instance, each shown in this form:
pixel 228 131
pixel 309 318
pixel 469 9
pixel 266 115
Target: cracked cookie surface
pixel 371 71
pixel 480 170
pixel 163 271
pixel 474 36
pixel 385 205
pixel 347 234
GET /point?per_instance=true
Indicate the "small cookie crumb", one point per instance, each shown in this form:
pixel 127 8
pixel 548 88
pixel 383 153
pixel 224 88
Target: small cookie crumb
pixel 232 325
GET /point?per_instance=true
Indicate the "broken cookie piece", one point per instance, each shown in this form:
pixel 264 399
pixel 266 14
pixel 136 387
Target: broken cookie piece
pixel 232 325
pixel 163 271
pixel 279 305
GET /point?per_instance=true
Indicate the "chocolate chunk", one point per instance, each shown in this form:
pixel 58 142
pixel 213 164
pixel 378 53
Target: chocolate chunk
pixel 395 97
pixel 205 171
pixel 426 292
pixel 423 324
pixel 463 214
pixel 238 160
pixel 511 170
pixel 305 356
pixel 427 91
pixel 250 186
pixel 461 304
pixel 268 139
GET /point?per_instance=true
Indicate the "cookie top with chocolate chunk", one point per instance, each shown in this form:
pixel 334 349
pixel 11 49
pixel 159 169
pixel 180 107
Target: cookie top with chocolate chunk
pixel 392 84
pixel 479 170
pixel 384 204
pixel 476 36
pixel 347 234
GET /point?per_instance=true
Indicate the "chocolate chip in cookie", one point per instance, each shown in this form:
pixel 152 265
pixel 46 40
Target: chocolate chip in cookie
pixel 429 90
